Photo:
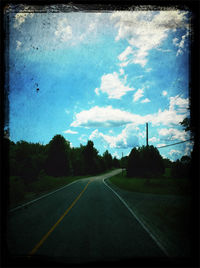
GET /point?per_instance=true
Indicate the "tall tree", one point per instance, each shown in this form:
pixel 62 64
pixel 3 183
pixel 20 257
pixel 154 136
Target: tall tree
pixel 90 155
pixel 107 157
pixel 145 161
pixel 58 160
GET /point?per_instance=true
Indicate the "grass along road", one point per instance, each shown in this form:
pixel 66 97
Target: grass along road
pixel 20 193
pixel 163 205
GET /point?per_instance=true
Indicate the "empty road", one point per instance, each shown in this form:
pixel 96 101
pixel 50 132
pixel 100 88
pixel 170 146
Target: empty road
pixel 82 222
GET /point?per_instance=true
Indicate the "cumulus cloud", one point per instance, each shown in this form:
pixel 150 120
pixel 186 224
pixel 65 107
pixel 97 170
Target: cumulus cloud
pixel 138 94
pixel 180 44
pixel 175 154
pixel 146 30
pixel 179 103
pixel 173 134
pixel 128 138
pixel 112 85
pixel 145 100
pixel 105 117
pixel 69 131
pixel 110 117
pixel 63 30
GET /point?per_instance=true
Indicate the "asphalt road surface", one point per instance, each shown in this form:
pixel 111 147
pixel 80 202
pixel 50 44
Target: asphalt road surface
pixel 83 222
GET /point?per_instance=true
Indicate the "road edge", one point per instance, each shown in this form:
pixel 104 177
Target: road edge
pixel 136 217
pixel 41 197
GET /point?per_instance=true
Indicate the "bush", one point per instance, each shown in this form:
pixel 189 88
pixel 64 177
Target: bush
pixel 180 169
pixel 16 189
pixel 145 162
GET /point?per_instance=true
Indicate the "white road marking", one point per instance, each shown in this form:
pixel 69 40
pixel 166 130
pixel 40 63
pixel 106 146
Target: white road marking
pixel 43 196
pixel 131 211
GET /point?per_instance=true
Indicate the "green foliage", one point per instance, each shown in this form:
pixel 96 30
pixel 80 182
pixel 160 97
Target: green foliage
pixel 26 160
pixel 167 186
pixel 145 161
pixel 16 189
pixel 107 158
pixel 90 158
pixel 167 162
pixel 58 158
pixel 124 162
pixel 186 124
pixel 181 168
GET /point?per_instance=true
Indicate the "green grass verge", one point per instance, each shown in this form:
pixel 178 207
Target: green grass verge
pixel 19 193
pixel 162 185
pixel 167 213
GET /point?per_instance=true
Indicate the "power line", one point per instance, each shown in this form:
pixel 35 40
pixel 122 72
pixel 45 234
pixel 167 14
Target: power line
pixel 174 143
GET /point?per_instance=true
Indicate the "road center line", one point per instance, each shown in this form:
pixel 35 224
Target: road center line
pixel 34 250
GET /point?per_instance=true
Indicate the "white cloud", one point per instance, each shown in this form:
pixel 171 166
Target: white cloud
pixel 21 16
pixel 146 30
pixel 174 152
pixel 121 71
pixel 174 134
pixel 69 131
pixel 153 139
pixel 115 154
pixel 83 138
pixel 64 30
pixel 97 91
pixel 138 94
pixel 145 100
pixel 164 93
pixel 128 138
pixel 181 44
pixel 113 86
pixel 18 45
pixel 142 134
pixel 182 104
pixel 94 134
pixel 188 148
pixel 161 144
pixel 123 56
pixel 104 116
pixel 148 70
pixel 67 111
pixel 110 117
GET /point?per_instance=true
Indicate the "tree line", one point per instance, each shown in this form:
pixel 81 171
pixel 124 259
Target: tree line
pixel 57 159
pixel 146 162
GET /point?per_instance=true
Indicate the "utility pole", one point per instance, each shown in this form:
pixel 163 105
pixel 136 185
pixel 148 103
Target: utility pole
pixel 147 134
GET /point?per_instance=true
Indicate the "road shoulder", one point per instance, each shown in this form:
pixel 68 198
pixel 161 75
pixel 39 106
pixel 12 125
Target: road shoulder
pixel 145 206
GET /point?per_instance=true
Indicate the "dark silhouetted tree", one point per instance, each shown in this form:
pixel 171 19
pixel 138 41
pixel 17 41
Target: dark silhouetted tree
pixel 145 161
pixel 58 157
pixel 107 157
pixel 90 155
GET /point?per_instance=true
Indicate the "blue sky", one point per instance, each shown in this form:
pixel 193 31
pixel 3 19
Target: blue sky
pixel 101 76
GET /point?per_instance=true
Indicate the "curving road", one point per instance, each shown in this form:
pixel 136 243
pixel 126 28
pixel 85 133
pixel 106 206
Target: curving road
pixel 82 222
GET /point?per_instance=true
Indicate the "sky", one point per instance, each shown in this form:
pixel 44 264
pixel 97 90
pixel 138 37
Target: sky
pixel 101 76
